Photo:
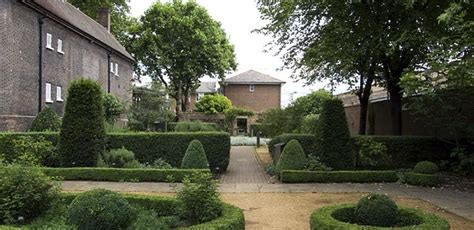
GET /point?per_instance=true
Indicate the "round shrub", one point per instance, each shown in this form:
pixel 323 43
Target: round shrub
pixel 113 108
pixel 25 193
pixel 376 210
pixel 292 157
pixel 46 120
pixel 195 157
pixel 332 136
pixel 100 209
pixel 118 158
pixel 83 129
pixel 426 167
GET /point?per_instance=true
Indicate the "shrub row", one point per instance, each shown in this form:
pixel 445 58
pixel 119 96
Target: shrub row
pixel 148 147
pixel 404 151
pixel 119 174
pixel 172 125
pixel 421 179
pixel 299 176
pixel 323 219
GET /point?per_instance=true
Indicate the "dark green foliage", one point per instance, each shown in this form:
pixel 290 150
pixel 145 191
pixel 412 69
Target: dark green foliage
pixel 307 141
pixel 376 210
pixel 371 154
pixel 421 179
pixel 118 158
pixel 82 131
pixel 26 150
pixel 292 157
pixel 195 157
pixel 314 164
pixel 25 192
pixel 46 120
pixel 332 136
pixel 199 199
pixel 160 164
pixel 147 219
pixel 300 176
pixel 100 209
pixel 209 125
pixel 113 108
pixel 118 175
pixel 426 167
pixel 342 217
pixel 195 127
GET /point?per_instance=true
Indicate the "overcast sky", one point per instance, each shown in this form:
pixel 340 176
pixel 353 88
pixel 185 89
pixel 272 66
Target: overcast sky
pixel 239 18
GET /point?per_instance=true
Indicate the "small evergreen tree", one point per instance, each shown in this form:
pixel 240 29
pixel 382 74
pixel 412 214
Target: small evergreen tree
pixel 292 157
pixel 332 136
pixel 82 132
pixel 195 157
pixel 46 120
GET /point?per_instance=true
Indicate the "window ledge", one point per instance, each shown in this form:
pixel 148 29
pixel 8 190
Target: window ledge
pixel 61 52
pixel 59 100
pixel 49 48
pixel 49 101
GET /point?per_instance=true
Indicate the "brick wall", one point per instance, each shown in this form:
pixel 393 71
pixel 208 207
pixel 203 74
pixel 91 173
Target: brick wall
pixel 262 98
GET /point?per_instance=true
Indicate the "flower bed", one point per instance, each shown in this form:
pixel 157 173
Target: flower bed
pixel 300 176
pixel 342 217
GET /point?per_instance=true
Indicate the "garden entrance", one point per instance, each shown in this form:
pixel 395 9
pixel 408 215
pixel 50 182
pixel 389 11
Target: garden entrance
pixel 244 167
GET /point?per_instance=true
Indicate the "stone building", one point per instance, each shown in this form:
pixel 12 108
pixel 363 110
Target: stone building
pixel 45 44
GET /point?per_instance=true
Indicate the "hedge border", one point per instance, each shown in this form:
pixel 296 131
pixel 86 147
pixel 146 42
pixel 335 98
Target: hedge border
pixel 300 176
pixel 121 174
pixel 430 180
pixel 322 219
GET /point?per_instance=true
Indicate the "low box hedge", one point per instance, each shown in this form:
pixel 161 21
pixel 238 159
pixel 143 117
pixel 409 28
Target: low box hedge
pixel 148 147
pixel 299 176
pixel 120 174
pixel 324 219
pixel 421 179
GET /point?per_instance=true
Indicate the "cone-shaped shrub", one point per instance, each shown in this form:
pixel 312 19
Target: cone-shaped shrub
pixel 292 157
pixel 82 131
pixel 332 136
pixel 46 120
pixel 195 157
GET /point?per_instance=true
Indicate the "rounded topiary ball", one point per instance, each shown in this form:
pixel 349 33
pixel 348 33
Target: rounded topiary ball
pixel 376 210
pixel 100 209
pixel 426 167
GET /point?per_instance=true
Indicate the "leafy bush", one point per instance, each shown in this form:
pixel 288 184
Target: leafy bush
pixel 332 136
pixel 113 108
pixel 270 170
pixel 314 164
pixel 292 157
pixel 25 193
pixel 273 122
pixel 199 199
pixel 148 219
pixel 118 158
pixel 307 141
pixel 195 157
pixel 376 210
pixel 120 175
pixel 195 127
pixel 426 167
pixel 46 120
pixel 300 176
pixel 310 124
pixel 100 209
pixel 82 131
pixel 161 164
pixel 421 179
pixel 29 151
pixel 213 104
pixel 463 162
pixel 372 154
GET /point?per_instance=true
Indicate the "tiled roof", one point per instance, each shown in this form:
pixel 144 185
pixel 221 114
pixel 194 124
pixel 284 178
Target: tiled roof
pixel 253 77
pixel 207 87
pixel 81 21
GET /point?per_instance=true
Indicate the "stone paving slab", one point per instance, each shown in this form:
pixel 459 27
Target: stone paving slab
pixel 244 167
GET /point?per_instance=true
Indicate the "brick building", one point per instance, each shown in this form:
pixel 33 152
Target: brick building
pixel 46 44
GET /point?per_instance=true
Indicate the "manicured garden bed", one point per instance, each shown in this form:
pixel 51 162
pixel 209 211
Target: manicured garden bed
pixel 120 174
pixel 300 176
pixel 342 217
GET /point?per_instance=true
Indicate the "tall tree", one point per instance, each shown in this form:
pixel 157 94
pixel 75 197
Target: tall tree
pixel 180 43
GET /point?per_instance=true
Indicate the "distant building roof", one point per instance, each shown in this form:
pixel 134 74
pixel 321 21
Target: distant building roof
pixel 253 77
pixel 350 99
pixel 207 87
pixel 73 16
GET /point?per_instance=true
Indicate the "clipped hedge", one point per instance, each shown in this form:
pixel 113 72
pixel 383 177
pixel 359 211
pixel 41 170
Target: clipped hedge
pixel 118 174
pixel 172 125
pixel 299 176
pixel 307 141
pixel 324 219
pixel 148 147
pixel 421 179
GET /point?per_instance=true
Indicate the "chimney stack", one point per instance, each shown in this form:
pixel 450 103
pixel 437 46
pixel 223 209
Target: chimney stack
pixel 103 17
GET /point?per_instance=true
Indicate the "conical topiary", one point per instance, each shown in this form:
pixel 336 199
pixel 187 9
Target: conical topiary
pixel 46 120
pixel 292 157
pixel 195 157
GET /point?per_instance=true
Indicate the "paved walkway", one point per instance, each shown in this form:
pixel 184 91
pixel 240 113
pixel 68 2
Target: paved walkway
pixel 244 167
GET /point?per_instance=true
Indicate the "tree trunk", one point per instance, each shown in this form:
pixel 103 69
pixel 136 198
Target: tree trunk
pixel 179 108
pixel 396 109
pixel 364 104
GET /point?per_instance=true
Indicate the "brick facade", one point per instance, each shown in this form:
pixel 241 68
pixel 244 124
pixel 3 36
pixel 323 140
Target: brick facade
pixel 19 64
pixel 263 97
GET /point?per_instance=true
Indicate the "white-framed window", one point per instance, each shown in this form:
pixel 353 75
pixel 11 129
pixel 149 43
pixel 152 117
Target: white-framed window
pixel 48 93
pixel 59 93
pixel 112 67
pixel 49 41
pixel 60 46
pixel 199 96
pixel 252 88
pixel 116 69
